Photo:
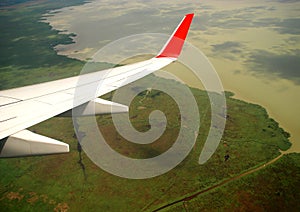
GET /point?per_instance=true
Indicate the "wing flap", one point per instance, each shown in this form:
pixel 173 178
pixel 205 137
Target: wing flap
pixel 102 106
pixel 6 100
pixel 97 106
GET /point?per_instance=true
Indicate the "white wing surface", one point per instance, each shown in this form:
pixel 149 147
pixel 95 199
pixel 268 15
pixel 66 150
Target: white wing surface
pixel 23 107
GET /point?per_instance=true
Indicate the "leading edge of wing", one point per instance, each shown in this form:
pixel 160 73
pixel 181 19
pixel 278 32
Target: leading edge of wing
pixel 62 91
pixel 174 45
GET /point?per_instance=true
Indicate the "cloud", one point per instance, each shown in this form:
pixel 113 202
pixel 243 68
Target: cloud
pixel 284 26
pixel 237 18
pixel 285 65
pixel 288 1
pixel 228 49
pixel 248 17
pixel 227 46
pixel 289 26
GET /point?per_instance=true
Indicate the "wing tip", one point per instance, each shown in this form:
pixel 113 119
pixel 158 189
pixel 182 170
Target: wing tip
pixel 174 45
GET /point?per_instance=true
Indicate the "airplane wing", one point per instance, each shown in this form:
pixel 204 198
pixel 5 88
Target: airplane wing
pixel 26 106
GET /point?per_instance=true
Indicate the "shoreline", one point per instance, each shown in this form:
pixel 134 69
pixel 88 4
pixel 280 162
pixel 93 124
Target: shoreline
pixel 282 115
pixel 293 140
pixel 237 95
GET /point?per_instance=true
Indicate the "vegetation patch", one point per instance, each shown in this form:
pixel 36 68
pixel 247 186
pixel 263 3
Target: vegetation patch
pixel 274 188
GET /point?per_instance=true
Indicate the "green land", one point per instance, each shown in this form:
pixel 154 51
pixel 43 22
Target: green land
pixel 26 50
pixel 58 182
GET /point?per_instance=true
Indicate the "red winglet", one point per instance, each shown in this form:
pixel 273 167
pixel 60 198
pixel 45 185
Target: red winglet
pixel 174 45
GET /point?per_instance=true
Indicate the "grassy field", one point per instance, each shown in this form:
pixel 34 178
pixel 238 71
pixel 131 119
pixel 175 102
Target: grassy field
pixel 43 183
pixel 59 182
pixel 274 188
